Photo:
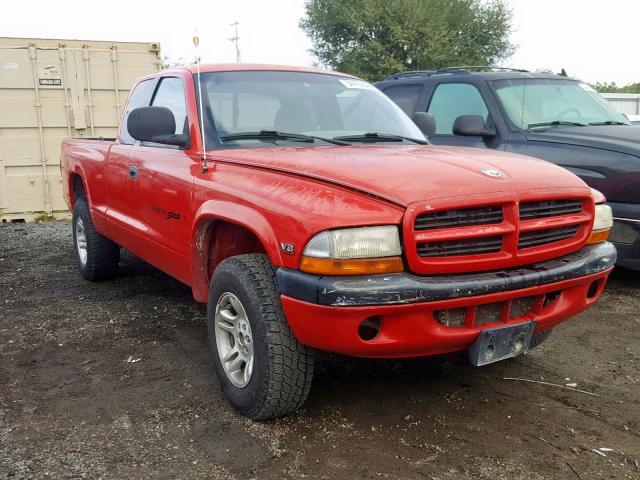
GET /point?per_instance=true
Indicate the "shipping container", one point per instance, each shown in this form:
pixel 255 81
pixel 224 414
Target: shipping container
pixel 51 89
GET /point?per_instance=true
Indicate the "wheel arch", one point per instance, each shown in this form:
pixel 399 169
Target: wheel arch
pixel 77 187
pixel 222 229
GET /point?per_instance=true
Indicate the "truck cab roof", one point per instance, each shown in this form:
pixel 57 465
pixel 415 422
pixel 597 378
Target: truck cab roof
pixel 239 67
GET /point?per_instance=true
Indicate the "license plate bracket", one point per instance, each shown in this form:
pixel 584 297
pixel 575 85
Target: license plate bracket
pixel 500 343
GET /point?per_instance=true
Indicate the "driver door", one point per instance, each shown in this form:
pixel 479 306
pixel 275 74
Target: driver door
pixel 165 178
pixel 124 224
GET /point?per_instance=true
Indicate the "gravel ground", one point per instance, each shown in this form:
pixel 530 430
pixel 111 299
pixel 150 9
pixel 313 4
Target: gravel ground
pixel 114 380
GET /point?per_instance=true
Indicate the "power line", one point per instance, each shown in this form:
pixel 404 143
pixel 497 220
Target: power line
pixel 235 39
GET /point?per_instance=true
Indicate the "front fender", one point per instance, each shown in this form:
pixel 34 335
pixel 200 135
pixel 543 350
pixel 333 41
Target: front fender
pixel 238 214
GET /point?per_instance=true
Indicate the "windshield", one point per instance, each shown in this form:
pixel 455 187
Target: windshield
pixel 262 103
pixel 535 102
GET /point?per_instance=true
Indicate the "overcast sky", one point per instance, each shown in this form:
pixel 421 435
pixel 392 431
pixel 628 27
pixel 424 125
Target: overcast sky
pixel 591 40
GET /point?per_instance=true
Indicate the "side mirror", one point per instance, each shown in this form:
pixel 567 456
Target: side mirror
pixel 155 124
pixel 472 126
pixel 425 122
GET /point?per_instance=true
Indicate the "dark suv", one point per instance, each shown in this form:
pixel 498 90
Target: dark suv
pixel 552 117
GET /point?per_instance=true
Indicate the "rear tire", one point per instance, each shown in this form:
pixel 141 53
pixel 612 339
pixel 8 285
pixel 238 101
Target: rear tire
pixel 264 371
pixel 97 256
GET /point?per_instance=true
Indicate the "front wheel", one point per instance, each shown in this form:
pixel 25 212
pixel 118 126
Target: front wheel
pixel 264 371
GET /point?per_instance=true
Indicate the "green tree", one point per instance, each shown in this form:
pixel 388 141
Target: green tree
pixel 375 38
pixel 611 87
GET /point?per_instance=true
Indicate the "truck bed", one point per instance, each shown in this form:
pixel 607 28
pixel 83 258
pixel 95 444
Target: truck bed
pixel 84 156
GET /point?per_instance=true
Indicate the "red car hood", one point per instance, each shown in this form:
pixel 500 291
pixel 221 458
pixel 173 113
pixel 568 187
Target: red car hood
pixel 406 174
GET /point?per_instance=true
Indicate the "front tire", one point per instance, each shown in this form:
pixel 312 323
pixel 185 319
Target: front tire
pixel 97 256
pixel 264 371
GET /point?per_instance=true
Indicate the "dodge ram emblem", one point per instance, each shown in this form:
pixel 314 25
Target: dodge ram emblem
pixel 491 172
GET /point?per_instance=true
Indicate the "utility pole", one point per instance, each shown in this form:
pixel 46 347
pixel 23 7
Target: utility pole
pixel 235 39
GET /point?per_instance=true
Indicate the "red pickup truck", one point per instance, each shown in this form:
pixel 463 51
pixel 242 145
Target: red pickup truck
pixel 310 212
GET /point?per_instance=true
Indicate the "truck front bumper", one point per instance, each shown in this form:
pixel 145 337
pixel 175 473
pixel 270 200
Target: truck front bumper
pixel 411 315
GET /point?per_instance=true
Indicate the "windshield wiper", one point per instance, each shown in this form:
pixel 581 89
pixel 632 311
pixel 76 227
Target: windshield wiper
pixel 608 122
pixel 271 135
pixel 555 123
pixel 380 137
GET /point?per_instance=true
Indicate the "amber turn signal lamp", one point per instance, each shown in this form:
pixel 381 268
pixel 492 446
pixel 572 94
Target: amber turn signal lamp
pixel 359 266
pixel 598 236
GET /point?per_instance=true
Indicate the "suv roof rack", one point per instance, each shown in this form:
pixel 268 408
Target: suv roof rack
pixel 486 67
pixel 455 69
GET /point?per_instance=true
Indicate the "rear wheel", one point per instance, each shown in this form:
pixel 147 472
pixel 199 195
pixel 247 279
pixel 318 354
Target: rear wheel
pixel 97 256
pixel 264 371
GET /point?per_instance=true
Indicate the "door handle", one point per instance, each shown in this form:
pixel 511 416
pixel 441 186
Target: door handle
pixel 133 172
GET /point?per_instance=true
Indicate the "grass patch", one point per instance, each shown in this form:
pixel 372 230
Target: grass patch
pixel 44 217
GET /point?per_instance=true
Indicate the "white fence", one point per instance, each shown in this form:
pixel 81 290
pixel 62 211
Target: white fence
pixel 628 103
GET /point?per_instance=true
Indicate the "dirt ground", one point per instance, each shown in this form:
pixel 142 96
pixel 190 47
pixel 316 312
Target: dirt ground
pixel 114 380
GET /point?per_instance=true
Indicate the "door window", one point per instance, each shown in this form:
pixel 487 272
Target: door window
pixel 140 97
pixel 170 94
pixel 405 96
pixel 451 100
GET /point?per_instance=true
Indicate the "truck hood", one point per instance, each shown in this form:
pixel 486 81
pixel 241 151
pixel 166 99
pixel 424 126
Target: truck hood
pixel 406 174
pixel 617 138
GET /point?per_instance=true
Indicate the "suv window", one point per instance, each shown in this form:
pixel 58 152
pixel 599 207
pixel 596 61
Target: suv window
pixel 140 97
pixel 451 100
pixel 541 100
pixel 170 94
pixel 405 96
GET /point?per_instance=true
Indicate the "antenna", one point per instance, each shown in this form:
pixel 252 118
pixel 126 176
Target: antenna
pixel 235 40
pixel 196 42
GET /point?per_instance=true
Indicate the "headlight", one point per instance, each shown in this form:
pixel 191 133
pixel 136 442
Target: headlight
pixel 601 224
pixel 354 251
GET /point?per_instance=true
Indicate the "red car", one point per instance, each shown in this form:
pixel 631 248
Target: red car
pixel 309 212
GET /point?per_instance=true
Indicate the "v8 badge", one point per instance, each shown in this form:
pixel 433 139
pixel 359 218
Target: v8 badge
pixel 287 248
